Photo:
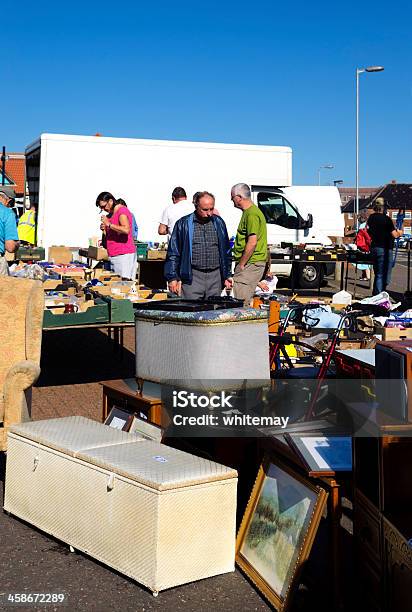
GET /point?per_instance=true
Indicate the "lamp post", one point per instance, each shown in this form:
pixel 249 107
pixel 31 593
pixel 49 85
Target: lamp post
pixel 338 182
pixel 3 166
pixel 358 72
pixel 326 167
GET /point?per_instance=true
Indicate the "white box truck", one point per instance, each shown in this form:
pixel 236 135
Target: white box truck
pixel 65 173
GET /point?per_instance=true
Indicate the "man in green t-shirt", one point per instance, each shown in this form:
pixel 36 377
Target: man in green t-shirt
pixel 250 249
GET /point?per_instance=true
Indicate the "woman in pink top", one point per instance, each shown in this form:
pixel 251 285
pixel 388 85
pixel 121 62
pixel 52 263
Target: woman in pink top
pixel 117 225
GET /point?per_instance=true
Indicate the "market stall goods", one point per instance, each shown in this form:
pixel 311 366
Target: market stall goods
pixel 215 345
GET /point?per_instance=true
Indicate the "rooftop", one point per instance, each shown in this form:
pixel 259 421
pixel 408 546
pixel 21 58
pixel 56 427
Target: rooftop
pixel 16 171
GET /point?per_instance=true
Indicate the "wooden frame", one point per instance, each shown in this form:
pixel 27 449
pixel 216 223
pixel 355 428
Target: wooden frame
pixel 269 543
pixel 117 416
pixel 124 393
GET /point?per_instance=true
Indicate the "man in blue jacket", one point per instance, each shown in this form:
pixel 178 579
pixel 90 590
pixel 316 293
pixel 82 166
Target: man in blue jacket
pixel 199 262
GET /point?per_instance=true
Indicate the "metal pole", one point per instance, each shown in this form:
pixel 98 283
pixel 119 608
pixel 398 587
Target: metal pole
pixel 357 150
pixel 319 177
pixel 3 166
pixel 358 72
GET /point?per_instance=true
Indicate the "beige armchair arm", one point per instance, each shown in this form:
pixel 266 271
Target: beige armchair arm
pixel 20 377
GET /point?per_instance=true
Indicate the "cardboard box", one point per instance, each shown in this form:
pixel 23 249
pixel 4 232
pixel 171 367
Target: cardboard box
pixel 68 273
pixel 98 253
pixel 153 254
pixel 393 333
pixel 160 296
pixel 60 255
pixel 105 276
pixel 102 290
pixel 67 291
pixel 148 294
pixel 52 284
pixel 59 304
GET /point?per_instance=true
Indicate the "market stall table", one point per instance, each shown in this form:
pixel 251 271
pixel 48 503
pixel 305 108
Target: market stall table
pixel 318 258
pixel 118 330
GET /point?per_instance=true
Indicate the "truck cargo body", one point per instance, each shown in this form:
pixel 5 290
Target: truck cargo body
pixel 66 173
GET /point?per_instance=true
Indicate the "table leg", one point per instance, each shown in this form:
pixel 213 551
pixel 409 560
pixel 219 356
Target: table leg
pixel 346 275
pixel 116 337
pixel 355 281
pixel 320 280
pixel 121 342
pixel 342 274
pixel 335 510
pixel 105 407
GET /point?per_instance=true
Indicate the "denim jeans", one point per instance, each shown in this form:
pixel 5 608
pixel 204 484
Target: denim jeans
pixel 382 266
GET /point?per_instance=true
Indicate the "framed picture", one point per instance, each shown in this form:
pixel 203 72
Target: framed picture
pixel 119 419
pixel 322 455
pixel 146 429
pixel 278 529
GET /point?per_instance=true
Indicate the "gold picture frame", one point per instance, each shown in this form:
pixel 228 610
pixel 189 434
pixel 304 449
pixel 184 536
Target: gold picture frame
pixel 278 530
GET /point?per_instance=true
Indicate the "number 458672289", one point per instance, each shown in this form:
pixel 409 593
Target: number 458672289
pixel 27 598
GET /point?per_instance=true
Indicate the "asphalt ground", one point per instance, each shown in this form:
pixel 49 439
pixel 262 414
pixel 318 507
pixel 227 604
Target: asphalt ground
pixel 73 362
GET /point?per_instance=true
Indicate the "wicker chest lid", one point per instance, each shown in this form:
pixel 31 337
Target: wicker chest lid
pixel 72 434
pixel 206 317
pixel 157 466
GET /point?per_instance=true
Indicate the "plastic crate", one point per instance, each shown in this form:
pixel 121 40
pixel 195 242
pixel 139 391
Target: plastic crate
pixel 141 250
pixel 25 253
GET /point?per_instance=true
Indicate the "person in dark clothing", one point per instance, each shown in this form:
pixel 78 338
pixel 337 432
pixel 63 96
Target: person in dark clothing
pixel 382 232
pixel 198 262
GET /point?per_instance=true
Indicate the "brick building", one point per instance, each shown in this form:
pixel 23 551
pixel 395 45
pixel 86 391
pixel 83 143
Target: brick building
pixel 348 197
pixel 395 195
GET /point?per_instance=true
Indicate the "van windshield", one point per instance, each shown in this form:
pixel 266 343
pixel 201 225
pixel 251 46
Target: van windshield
pixel 277 210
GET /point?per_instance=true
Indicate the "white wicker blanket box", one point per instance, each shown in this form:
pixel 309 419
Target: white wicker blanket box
pixel 158 515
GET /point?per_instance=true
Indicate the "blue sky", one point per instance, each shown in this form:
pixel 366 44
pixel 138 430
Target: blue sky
pixel 221 71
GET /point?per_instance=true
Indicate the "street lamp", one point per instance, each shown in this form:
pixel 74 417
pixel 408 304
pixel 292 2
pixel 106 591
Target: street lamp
pixel 326 167
pixel 338 182
pixel 358 72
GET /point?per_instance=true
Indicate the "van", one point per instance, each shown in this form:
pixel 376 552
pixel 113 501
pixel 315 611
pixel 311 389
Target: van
pixel 301 215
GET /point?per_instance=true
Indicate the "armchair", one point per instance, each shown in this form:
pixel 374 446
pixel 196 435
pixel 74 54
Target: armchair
pixel 21 321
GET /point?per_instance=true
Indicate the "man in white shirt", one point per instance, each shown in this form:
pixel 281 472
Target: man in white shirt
pixel 172 213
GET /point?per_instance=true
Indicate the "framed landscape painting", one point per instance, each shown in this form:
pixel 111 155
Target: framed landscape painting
pixel 278 529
